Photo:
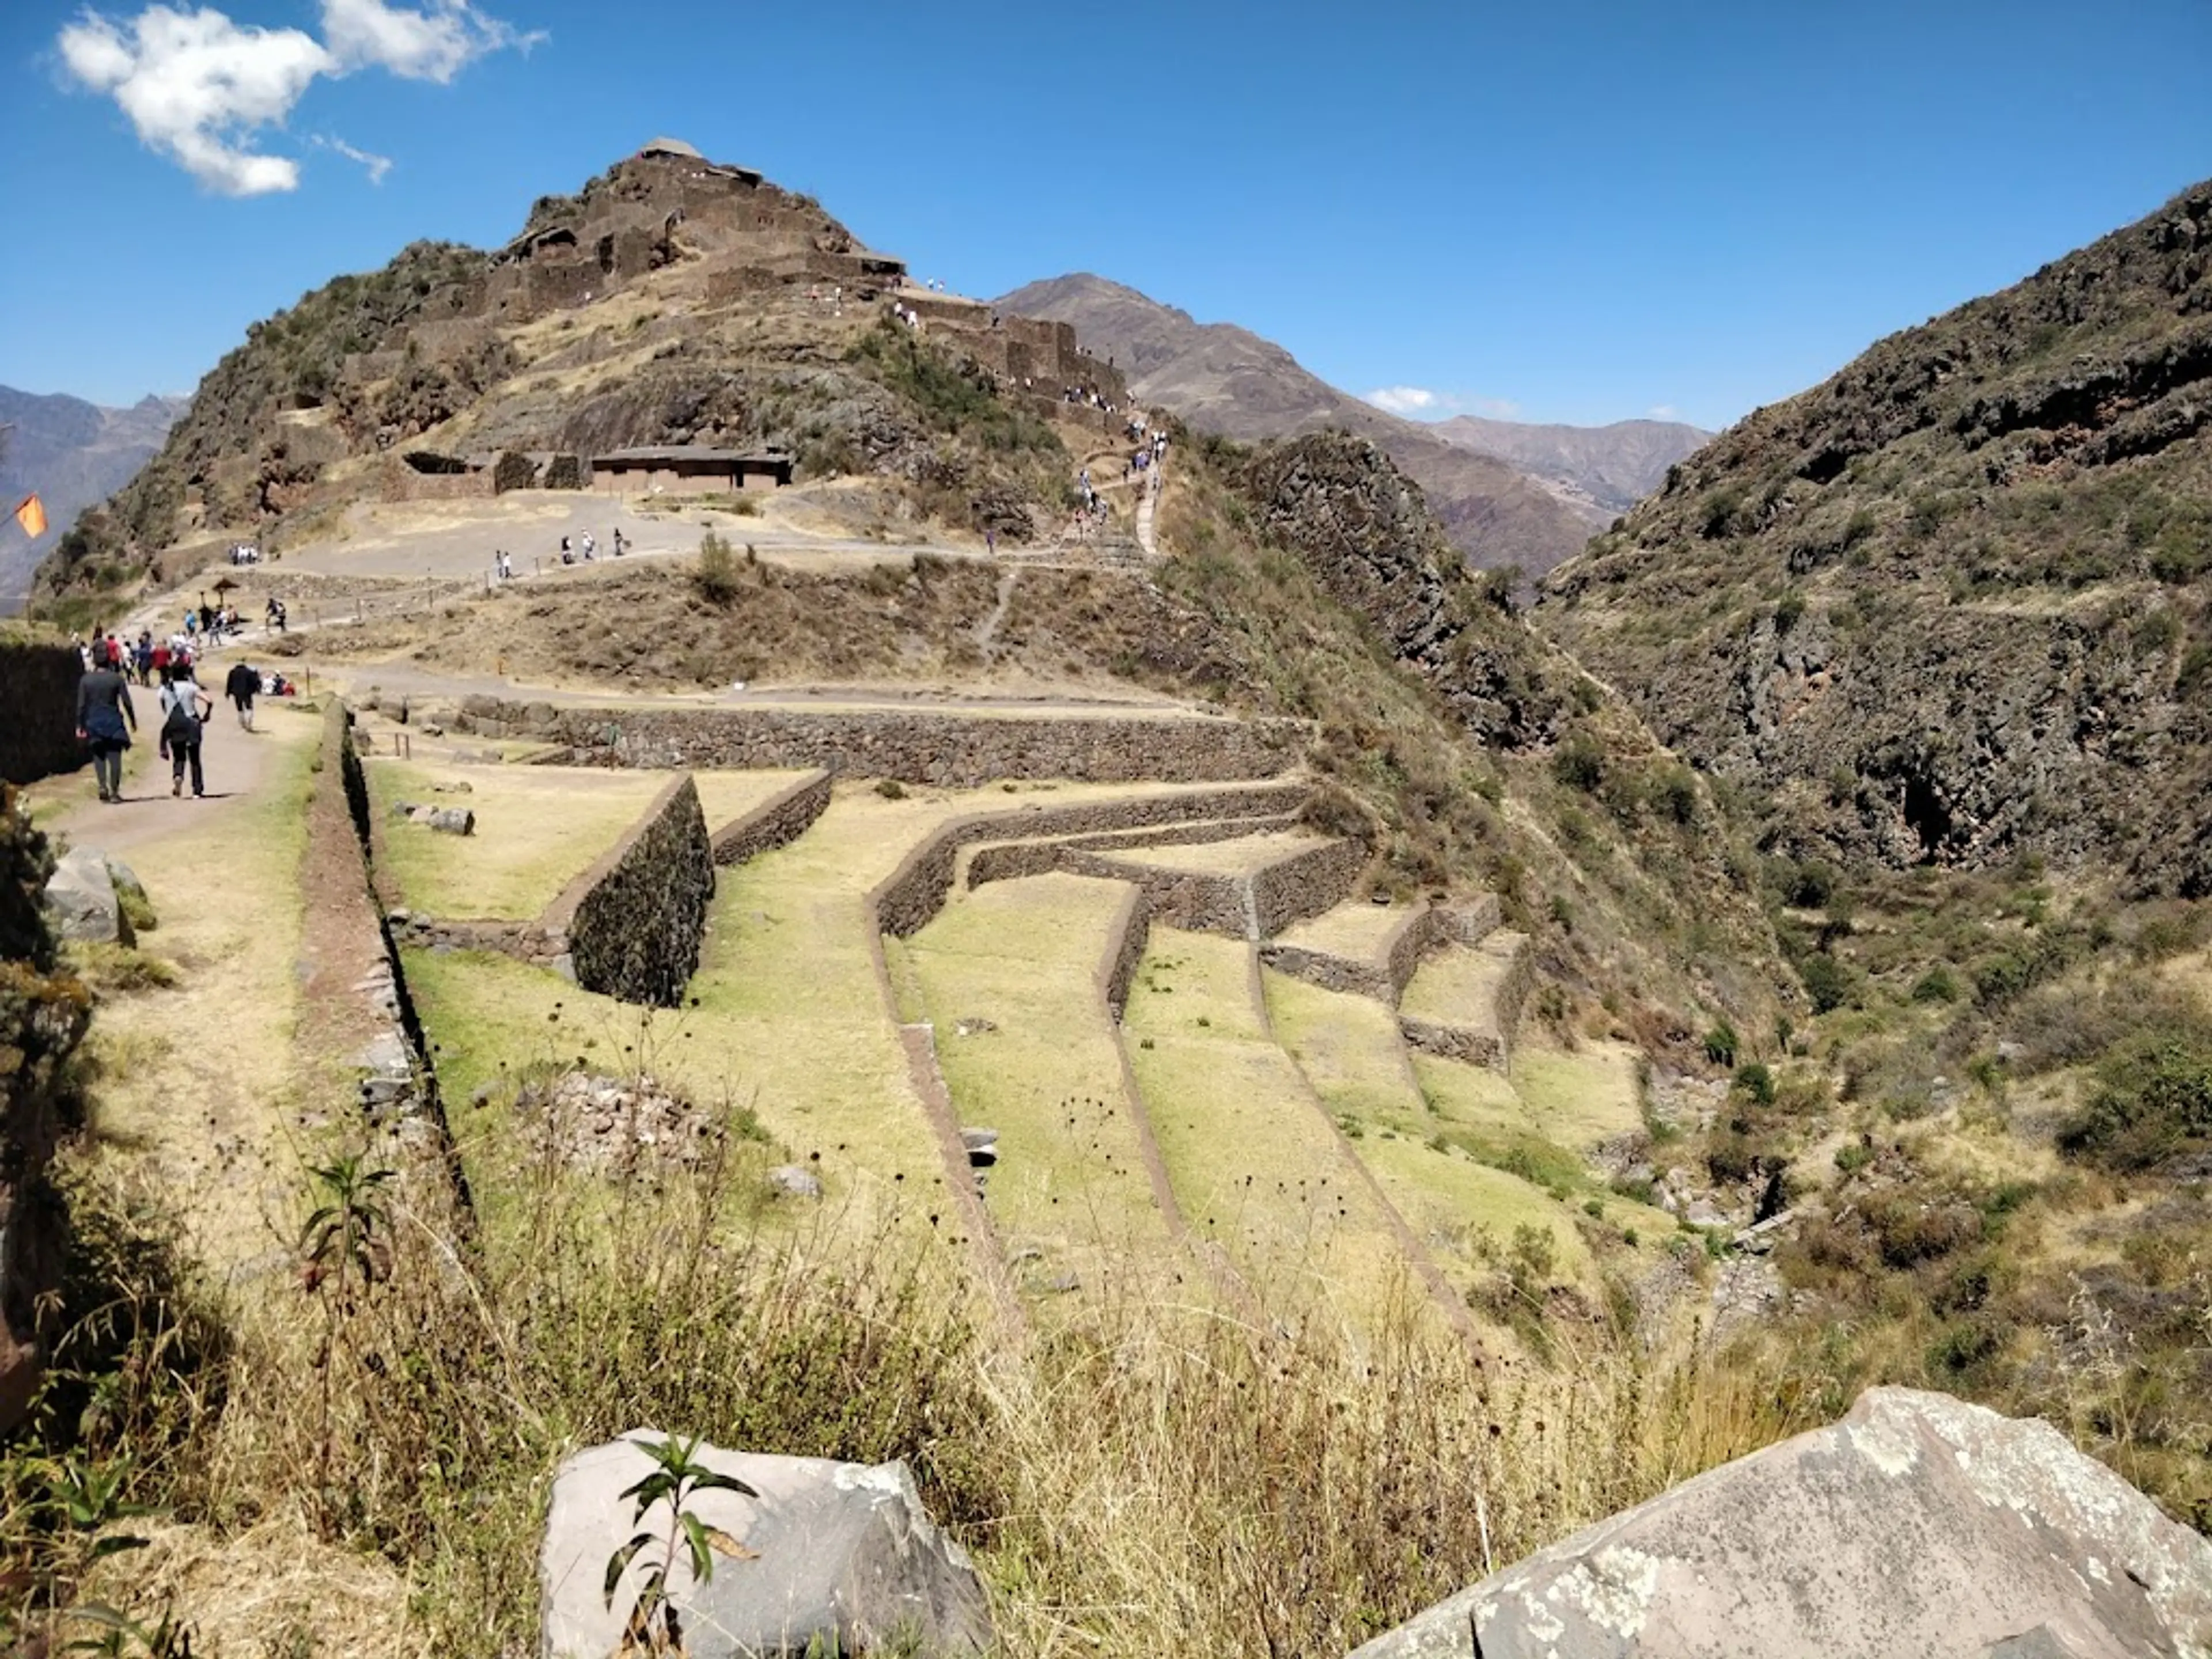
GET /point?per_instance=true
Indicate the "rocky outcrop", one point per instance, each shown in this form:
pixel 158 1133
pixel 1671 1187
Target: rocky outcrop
pixel 1918 1524
pixel 43 1015
pixel 1950 607
pixel 828 1557
pixel 1361 526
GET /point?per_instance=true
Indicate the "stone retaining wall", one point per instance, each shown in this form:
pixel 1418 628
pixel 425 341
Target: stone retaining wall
pixel 38 688
pixel 350 967
pixel 1490 1046
pixel 526 941
pixel 1197 900
pixel 912 895
pixel 1385 977
pixel 635 920
pixel 1305 884
pixel 1010 860
pixel 1455 1043
pixel 1125 948
pixel 776 822
pixel 955 750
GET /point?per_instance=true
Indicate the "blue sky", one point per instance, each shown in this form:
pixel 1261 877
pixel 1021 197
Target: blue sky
pixel 1577 211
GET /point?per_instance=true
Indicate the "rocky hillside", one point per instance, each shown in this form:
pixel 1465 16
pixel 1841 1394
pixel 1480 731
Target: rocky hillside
pixel 1607 468
pixel 669 301
pixel 74 454
pixel 1953 606
pixel 1225 380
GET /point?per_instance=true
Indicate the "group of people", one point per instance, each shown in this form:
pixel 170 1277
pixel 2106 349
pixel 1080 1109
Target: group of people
pixel 107 719
pixel 583 545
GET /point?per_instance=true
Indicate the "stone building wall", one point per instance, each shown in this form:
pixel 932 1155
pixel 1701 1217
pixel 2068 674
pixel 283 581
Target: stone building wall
pixel 635 920
pixel 38 688
pixel 955 750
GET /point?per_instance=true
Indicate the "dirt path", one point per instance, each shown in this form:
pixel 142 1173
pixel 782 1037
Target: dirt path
pixel 1147 511
pixel 198 1088
pixel 235 764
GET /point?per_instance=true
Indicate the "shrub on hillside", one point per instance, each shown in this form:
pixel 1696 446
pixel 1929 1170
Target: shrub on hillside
pixel 2153 1100
pixel 717 576
pixel 1579 764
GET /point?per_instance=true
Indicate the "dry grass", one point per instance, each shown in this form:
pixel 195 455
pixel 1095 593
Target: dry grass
pixel 1459 985
pixel 1355 930
pixel 1239 857
pixel 538 828
pixel 196 1080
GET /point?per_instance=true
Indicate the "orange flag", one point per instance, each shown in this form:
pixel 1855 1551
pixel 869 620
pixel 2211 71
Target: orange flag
pixel 31 515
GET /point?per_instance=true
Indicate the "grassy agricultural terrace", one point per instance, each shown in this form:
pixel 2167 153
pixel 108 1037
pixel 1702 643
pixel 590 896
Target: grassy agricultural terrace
pixel 1165 1120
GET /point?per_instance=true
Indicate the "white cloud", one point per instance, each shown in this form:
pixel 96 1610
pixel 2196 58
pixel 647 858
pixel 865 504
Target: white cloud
pixel 1662 413
pixel 1404 399
pixel 376 166
pixel 200 88
pixel 433 45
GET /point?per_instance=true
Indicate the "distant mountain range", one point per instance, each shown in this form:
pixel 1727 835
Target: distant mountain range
pixel 74 455
pixel 1609 467
pixel 1507 494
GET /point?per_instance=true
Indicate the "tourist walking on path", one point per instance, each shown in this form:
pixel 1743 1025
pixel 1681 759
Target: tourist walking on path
pixel 105 720
pixel 239 686
pixel 185 710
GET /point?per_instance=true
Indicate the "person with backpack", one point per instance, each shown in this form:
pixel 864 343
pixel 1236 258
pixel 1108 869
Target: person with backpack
pixel 105 722
pixel 239 686
pixel 185 710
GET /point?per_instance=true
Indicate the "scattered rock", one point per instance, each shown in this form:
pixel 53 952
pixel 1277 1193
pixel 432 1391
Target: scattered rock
pixel 616 1126
pixel 983 1147
pixel 792 1181
pixel 81 903
pixel 838 1558
pixel 460 786
pixel 1919 1524
pixel 446 820
pixel 1703 1212
pixel 975 1025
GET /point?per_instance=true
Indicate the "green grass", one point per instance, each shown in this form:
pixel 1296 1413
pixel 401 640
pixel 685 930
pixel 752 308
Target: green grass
pixel 1255 1167
pixel 1071 1181
pixel 1439 1167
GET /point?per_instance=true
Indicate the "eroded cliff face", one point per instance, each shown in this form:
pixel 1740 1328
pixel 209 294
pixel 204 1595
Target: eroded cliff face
pixel 1363 530
pixel 1953 606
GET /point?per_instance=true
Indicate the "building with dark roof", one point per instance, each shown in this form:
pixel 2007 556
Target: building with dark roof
pixel 688 470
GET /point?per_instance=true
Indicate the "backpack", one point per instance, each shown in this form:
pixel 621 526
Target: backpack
pixel 182 723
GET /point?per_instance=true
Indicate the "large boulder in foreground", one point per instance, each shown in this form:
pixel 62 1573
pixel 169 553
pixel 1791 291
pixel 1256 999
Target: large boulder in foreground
pixel 82 902
pixel 844 1560
pixel 1916 1525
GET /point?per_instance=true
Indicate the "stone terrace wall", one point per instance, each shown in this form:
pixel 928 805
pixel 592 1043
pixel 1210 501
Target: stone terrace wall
pixel 955 750
pixel 1490 1045
pixel 1426 927
pixel 1305 884
pixel 38 688
pixel 1133 926
pixel 910 897
pixel 635 920
pixel 1013 859
pixel 775 822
